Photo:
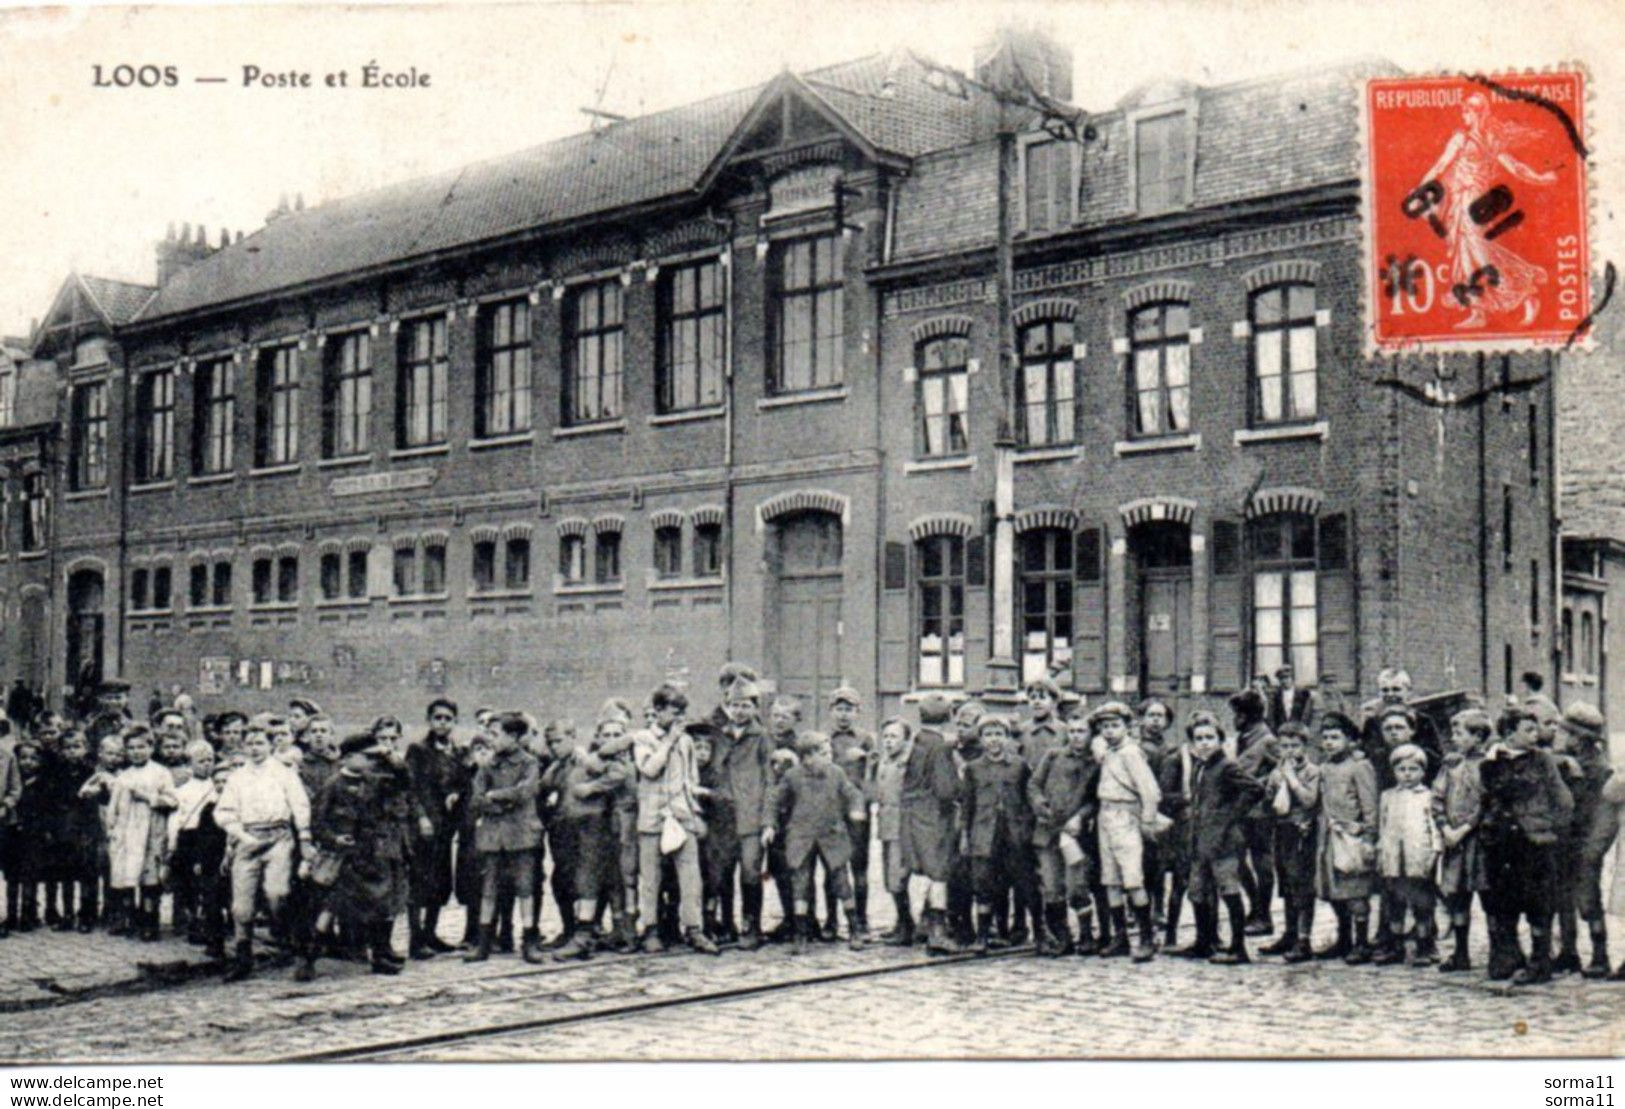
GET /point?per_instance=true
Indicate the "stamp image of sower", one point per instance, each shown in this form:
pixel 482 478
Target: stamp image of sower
pixel 1476 212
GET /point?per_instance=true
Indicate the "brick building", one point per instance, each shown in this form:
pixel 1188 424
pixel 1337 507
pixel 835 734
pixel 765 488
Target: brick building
pixel 720 381
pixel 1591 642
pixel 28 433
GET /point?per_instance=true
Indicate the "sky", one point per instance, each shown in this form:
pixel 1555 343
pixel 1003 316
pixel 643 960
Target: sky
pixel 90 177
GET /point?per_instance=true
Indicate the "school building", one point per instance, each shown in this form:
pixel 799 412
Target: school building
pixel 721 381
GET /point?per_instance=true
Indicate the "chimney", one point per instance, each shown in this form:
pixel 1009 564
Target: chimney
pixel 1042 60
pixel 176 252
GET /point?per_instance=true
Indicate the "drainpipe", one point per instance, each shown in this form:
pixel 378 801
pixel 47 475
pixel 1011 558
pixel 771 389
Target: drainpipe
pixel 1483 541
pixel 1554 517
pixel 1003 670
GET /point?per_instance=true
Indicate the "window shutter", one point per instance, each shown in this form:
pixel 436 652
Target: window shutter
pixel 1227 608
pixel 896 575
pixel 1335 593
pixel 1089 615
pixel 976 562
pixel 1060 197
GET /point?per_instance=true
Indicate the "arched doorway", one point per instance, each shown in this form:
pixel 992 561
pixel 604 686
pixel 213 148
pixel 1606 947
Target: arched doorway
pixel 86 631
pixel 1160 590
pixel 804 623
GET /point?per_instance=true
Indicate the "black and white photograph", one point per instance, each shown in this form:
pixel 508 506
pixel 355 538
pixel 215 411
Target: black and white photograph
pixel 562 533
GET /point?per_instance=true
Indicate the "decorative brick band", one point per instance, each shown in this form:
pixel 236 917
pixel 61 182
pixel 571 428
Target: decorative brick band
pixel 608 522
pixel 518 529
pixel 1284 498
pixel 573 525
pixel 1298 271
pixel 707 514
pixel 941 523
pixel 261 550
pixel 435 538
pixel 358 543
pixel 1152 509
pixel 1032 519
pixel 329 546
pixel 404 542
pixel 666 518
pixel 802 500
pixel 1153 292
pixel 938 326
pixel 1050 308
pixel 484 533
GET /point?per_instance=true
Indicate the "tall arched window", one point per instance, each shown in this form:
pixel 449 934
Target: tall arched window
pixel 1046 601
pixel 940 610
pixel 1048 384
pixel 1286 622
pixel 1284 375
pixel 1160 369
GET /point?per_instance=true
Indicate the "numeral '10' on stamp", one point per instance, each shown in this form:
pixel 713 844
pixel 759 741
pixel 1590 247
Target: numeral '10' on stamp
pixel 1476 212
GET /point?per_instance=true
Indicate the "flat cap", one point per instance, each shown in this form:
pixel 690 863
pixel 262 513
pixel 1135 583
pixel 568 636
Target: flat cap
pixel 1583 719
pixel 845 695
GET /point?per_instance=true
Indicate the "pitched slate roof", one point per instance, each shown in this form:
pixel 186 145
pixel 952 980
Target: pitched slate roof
pixel 1254 138
pixel 887 99
pixel 119 301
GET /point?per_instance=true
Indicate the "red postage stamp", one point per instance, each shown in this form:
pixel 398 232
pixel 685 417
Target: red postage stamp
pixel 1475 212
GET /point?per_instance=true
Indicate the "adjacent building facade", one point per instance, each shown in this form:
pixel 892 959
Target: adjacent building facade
pixel 722 382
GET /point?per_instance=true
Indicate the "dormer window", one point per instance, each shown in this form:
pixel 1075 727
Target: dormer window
pixel 1161 163
pixel 1049 184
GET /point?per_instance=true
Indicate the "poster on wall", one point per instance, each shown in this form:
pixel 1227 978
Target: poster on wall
pixel 213 675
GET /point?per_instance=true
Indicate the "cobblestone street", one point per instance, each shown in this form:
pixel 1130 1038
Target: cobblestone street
pixel 1015 1006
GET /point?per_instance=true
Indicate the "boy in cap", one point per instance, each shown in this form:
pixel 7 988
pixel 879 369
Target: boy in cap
pixel 741 753
pixel 816 803
pixel 1044 731
pixel 507 832
pixel 853 749
pixel 930 788
pixel 668 785
pixel 885 790
pixel 301 710
pixel 996 825
pixel 1458 803
pixel 1221 795
pixel 1581 738
pixel 1527 810
pixel 1062 796
pixel 966 745
pixel 1128 796
pixel 1293 794
pixel 441 780
pixel 584 815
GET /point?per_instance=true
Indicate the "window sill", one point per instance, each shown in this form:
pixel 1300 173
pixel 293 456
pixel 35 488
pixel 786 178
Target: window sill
pixel 343 460
pixel 1157 445
pixel 806 396
pixel 602 427
pixel 587 589
pixel 420 452
pixel 660 585
pixel 149 613
pixel 517 439
pixel 153 486
pixel 343 602
pixel 1273 434
pixel 212 479
pixel 476 596
pixel 1048 454
pixel 274 606
pixel 275 471
pixel 29 556
pixel 933 465
pixel 688 416
pixel 421 599
pixel 208 610
pixel 85 494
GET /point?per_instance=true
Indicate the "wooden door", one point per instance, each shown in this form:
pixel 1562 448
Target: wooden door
pixel 1165 605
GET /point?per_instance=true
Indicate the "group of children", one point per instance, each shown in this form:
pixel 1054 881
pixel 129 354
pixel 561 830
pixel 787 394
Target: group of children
pixel 1093 827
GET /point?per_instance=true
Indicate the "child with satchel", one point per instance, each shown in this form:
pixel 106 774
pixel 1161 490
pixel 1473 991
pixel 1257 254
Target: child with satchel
pixel 1346 862
pixel 345 822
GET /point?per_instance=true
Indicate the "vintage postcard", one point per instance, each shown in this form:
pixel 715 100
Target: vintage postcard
pixel 903 531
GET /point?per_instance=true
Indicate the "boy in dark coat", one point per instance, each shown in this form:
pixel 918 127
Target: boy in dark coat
pixel 719 847
pixel 930 788
pixel 996 825
pixel 966 746
pixel 33 840
pixel 441 781
pixel 1527 811
pixel 583 814
pixel 348 821
pixel 81 825
pixel 739 756
pixel 1293 795
pixel 1174 849
pixel 816 803
pixel 1062 797
pixel 1596 824
pixel 1222 795
pixel 852 748
pixel 507 832
pixel 1255 754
